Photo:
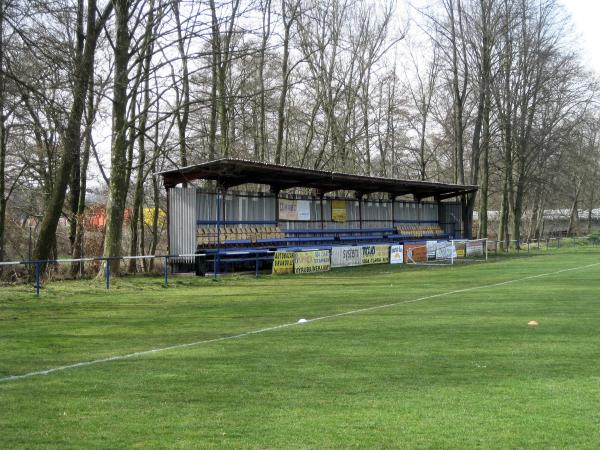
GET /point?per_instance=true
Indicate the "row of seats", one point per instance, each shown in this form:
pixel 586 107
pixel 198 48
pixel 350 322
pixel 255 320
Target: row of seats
pixel 208 235
pixel 420 230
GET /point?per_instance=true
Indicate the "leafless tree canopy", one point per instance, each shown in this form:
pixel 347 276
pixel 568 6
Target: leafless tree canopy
pixel 97 95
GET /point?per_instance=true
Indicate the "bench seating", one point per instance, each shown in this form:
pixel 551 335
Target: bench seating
pixel 370 237
pixel 294 240
pixel 339 231
pixel 272 236
pixel 403 237
pixel 207 236
pixel 419 230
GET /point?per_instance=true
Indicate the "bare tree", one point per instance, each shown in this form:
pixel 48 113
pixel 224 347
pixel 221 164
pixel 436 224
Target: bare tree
pixel 84 67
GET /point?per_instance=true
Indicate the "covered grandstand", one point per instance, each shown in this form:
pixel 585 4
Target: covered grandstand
pixel 336 209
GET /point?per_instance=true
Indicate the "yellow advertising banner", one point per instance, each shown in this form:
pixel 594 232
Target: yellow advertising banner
pixel 375 254
pixel 338 211
pixel 460 249
pixel 313 261
pixel 283 262
pixel 149 217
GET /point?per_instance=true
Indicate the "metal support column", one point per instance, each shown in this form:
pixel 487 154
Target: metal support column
pixel 359 195
pixel 440 214
pixel 321 195
pixel 275 191
pixel 168 220
pixel 217 265
pixel 393 199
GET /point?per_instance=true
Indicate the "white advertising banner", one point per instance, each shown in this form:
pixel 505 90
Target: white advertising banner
pixel 294 209
pixel 288 209
pixel 396 254
pixel 474 248
pixel 445 250
pixel 303 210
pixel 346 256
pixel 431 249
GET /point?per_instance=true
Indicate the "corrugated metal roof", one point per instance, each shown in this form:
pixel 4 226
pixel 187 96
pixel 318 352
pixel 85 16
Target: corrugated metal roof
pixel 234 172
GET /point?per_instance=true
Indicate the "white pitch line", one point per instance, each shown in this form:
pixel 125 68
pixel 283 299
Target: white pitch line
pixel 277 327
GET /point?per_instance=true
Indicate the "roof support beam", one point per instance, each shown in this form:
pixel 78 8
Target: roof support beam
pixel 448 195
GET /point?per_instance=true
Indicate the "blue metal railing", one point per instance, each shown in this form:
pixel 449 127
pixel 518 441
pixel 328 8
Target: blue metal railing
pixel 236 222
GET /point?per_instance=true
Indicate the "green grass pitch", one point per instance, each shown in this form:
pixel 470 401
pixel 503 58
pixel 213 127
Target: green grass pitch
pixel 462 370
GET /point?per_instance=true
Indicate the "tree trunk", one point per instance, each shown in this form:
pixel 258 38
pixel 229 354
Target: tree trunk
pixel 474 172
pixel 138 196
pixel 486 78
pixel 506 186
pixel 284 85
pixel 183 110
pixel 574 216
pixel 539 225
pixel 3 137
pixel 262 132
pixel 142 218
pixel 72 137
pixel 155 196
pixel 221 48
pixel 85 157
pixel 117 194
pixel 590 212
pixel 458 93
pixel 485 167
pixel 517 215
pixel 2 176
pixel 504 102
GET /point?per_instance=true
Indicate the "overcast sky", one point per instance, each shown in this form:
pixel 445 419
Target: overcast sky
pixel 586 15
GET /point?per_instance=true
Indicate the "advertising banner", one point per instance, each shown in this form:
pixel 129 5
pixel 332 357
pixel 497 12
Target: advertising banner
pixel 149 217
pixel 460 249
pixel 288 209
pixel 431 249
pixel 313 261
pixel 396 254
pixel 375 254
pixel 283 262
pixel 415 253
pixel 303 210
pixel 346 256
pixel 445 250
pixel 294 209
pixel 474 248
pixel 338 210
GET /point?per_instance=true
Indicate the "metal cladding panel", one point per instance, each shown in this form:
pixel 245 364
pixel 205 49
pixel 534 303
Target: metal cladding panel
pixel 259 207
pixel 413 211
pixel 352 216
pixel 451 218
pixel 429 211
pixel 238 207
pixel 182 222
pixel 405 211
pixel 206 206
pixel 248 208
pixel 377 214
